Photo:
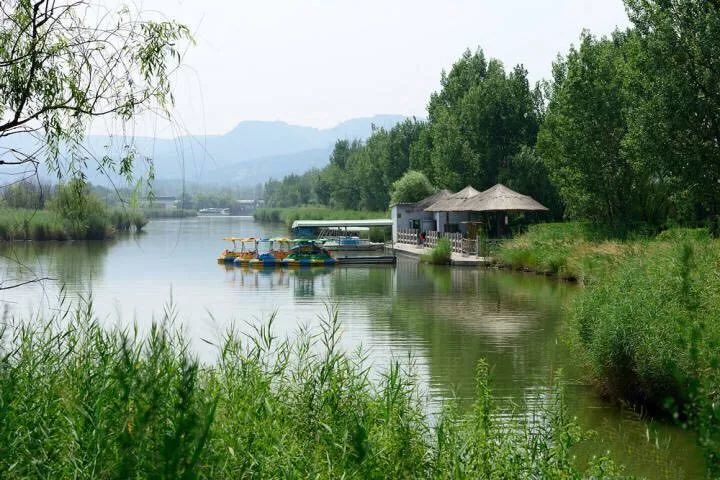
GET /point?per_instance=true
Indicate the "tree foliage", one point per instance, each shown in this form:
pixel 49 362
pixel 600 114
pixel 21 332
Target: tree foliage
pixel 64 63
pixel 413 186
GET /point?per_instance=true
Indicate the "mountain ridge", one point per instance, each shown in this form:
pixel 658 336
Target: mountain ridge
pixel 270 149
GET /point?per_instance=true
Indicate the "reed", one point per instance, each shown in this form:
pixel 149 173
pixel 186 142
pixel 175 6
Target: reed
pixel 650 332
pixel 80 401
pixel 25 224
pixel 571 250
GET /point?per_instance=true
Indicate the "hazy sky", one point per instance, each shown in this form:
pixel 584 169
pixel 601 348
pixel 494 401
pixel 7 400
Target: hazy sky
pixel 318 63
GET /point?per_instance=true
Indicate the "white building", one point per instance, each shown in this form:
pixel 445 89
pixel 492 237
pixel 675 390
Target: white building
pixel 413 215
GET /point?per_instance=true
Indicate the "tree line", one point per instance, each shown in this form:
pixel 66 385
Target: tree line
pixel 626 130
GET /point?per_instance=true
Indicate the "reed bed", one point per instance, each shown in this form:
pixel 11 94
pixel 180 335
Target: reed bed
pixel 571 250
pixel 650 332
pixel 81 401
pixel 25 224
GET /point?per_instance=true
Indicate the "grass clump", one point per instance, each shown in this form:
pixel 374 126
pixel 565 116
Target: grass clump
pixel 440 253
pixel 571 250
pixel 124 220
pixel 79 401
pixel 650 330
pixel 289 215
pixel 25 224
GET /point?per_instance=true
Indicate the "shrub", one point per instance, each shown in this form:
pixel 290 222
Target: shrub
pixel 440 254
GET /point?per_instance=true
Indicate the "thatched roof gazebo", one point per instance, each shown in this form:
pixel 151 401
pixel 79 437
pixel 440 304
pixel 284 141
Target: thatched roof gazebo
pixel 492 201
pixel 501 199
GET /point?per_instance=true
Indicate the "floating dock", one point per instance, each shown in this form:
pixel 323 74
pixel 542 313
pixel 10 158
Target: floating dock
pixel 457 259
pixel 367 260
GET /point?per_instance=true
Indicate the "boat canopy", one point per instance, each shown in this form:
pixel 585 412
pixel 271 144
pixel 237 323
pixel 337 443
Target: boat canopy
pixel 377 222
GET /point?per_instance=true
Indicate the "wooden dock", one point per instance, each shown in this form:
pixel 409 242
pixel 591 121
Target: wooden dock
pixel 457 259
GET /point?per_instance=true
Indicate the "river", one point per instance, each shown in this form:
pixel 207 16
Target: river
pixel 444 318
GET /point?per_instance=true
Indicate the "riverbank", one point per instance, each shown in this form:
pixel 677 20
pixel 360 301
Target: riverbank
pixel 169 212
pixel 288 215
pixel 647 323
pixel 81 398
pixel 26 224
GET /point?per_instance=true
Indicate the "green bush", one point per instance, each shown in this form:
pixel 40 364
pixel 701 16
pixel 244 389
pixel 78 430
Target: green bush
pixel 440 254
pixel 413 186
pixel 79 401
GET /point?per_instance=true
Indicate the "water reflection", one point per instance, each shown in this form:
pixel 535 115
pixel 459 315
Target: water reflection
pixel 67 263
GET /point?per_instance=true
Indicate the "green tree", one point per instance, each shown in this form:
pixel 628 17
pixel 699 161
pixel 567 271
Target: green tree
pixel 584 131
pixel 677 123
pixel 411 187
pixel 478 121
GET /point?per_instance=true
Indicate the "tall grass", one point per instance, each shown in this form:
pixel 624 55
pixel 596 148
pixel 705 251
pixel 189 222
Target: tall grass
pixel 650 331
pixel 79 401
pixel 24 224
pixel 289 215
pixel 571 250
pixel 125 220
pixel 440 253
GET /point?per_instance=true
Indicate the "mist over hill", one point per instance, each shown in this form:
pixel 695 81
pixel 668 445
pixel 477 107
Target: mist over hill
pixel 251 153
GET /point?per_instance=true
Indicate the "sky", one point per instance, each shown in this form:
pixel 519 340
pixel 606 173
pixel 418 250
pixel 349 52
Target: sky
pixel 318 63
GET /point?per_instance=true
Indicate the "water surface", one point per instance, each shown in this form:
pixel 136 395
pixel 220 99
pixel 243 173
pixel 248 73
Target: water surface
pixel 445 318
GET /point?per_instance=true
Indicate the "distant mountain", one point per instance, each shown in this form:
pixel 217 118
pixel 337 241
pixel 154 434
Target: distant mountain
pixel 250 153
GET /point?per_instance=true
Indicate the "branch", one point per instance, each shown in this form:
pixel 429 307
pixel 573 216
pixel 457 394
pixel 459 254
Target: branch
pixel 34 280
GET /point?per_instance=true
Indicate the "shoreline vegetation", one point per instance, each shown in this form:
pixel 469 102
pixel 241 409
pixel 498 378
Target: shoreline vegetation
pixel 80 401
pixel 646 321
pixel 19 224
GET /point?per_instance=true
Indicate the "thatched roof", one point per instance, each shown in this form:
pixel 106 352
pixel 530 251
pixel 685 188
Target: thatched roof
pixel 427 201
pixel 501 198
pixel 450 203
pixel 497 198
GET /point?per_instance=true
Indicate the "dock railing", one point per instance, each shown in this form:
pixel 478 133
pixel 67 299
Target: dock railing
pixel 410 236
pixel 480 247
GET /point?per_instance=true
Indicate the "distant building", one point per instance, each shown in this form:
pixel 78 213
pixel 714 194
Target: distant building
pixel 247 207
pixel 166 202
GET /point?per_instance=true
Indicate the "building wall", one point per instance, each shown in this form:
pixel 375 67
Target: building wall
pixel 403 217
